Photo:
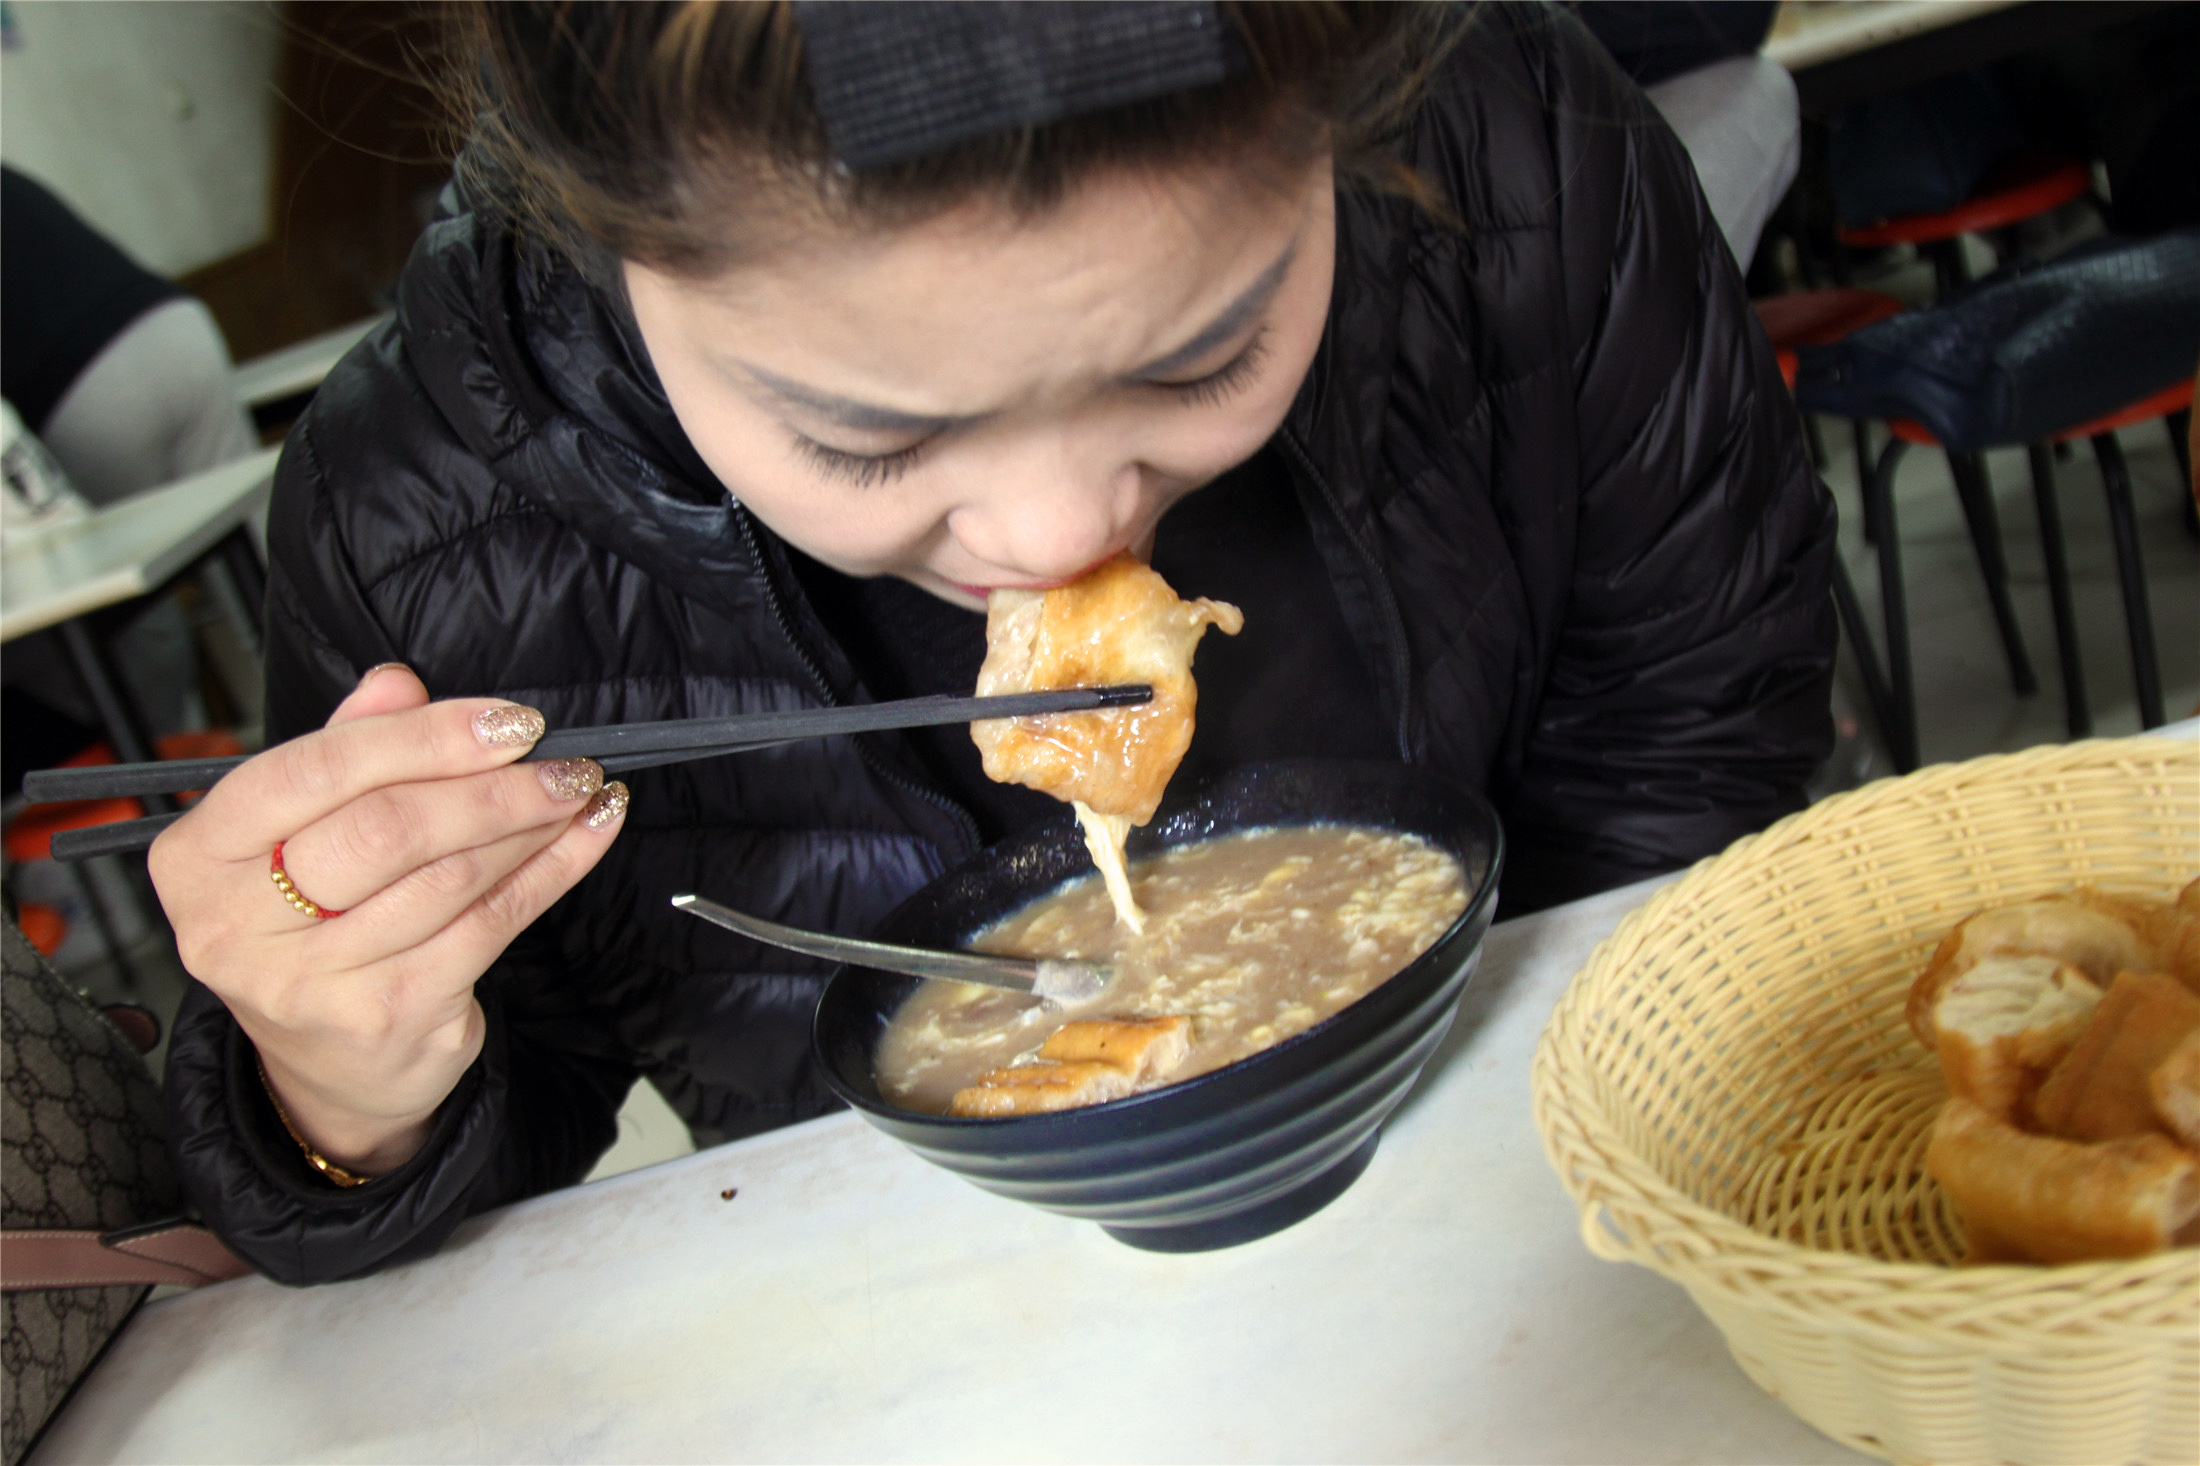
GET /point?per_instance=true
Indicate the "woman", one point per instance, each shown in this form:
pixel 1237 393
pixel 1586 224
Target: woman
pixel 776 337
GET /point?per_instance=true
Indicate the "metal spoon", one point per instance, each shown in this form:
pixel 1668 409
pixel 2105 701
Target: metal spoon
pixel 1060 981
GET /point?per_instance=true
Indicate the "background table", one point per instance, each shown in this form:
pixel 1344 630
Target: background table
pixel 852 1303
pixel 286 378
pixel 1810 33
pixel 1845 51
pixel 130 548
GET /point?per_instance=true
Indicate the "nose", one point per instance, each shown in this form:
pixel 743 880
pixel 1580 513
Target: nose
pixel 1050 510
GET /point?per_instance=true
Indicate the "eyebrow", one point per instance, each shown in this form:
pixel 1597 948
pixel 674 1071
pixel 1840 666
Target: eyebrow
pixel 1235 317
pixel 869 417
pixel 862 417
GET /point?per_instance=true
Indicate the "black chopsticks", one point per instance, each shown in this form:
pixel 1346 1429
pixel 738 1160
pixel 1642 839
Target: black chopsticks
pixel 119 838
pixel 619 747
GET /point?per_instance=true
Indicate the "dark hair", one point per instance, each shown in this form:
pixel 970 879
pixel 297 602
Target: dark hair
pixel 681 134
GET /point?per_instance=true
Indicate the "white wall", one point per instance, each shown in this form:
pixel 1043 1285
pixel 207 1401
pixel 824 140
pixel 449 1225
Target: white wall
pixel 154 119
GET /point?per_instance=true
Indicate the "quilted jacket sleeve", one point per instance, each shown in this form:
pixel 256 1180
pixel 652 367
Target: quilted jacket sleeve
pixel 1686 697
pixel 531 1114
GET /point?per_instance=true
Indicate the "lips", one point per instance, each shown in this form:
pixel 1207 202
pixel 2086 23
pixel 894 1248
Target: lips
pixel 982 591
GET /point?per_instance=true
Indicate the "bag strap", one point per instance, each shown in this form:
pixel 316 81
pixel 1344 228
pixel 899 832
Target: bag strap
pixel 173 1251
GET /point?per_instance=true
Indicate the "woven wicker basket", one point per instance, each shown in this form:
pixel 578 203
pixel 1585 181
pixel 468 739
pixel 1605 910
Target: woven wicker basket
pixel 1730 1093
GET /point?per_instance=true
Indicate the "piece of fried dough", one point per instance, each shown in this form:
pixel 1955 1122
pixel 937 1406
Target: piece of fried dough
pixel 2100 1089
pixel 1088 1062
pixel 2175 1086
pixel 2035 1198
pixel 2005 1023
pixel 2180 938
pixel 1119 624
pixel 1041 1088
pixel 1147 1049
pixel 2092 931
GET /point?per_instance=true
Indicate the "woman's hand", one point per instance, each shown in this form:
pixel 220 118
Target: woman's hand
pixel 414 821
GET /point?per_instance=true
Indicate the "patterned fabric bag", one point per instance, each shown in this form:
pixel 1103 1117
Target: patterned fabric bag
pixel 81 1155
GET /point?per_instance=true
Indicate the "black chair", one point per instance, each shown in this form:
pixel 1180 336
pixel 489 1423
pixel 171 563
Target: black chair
pixel 2098 339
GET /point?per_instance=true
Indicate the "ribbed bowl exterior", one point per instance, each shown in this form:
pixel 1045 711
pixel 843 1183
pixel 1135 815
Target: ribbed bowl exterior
pixel 1226 1156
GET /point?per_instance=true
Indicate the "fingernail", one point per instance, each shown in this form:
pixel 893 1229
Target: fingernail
pixel 570 778
pixel 509 726
pixel 377 670
pixel 606 808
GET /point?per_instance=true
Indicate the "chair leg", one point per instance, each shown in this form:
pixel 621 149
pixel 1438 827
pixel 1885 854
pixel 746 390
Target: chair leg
pixel 1951 272
pixel 1815 441
pixel 2146 673
pixel 2075 711
pixel 118 720
pixel 245 570
pixel 1977 494
pixel 2179 424
pixel 1901 680
pixel 1876 688
pixel 1860 431
pixel 110 933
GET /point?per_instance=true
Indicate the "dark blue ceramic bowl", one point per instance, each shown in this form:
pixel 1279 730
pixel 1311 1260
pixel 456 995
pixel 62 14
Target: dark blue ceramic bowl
pixel 1231 1155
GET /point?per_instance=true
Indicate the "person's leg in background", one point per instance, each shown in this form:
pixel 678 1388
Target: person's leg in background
pixel 153 406
pixel 1735 112
pixel 1743 129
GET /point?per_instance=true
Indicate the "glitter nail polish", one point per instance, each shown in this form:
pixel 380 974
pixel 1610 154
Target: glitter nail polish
pixel 570 778
pixel 509 726
pixel 604 810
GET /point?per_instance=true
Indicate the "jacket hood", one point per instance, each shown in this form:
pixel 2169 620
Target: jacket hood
pixel 567 408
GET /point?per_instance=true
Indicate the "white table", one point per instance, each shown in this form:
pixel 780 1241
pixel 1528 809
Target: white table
pixel 1842 52
pixel 128 548
pixel 1812 33
pixel 852 1303
pixel 296 368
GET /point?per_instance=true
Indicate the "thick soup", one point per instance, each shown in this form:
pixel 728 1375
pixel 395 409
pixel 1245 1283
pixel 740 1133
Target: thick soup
pixel 1248 939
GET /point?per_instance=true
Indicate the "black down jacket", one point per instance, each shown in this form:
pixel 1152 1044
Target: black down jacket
pixel 1548 463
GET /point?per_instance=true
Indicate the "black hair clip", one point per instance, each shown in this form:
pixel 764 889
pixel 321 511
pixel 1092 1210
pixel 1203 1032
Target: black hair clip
pixel 895 81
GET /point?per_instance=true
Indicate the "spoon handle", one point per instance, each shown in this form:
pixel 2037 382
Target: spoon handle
pixel 1045 978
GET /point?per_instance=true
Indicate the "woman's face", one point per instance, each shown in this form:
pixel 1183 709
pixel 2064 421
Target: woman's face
pixel 981 401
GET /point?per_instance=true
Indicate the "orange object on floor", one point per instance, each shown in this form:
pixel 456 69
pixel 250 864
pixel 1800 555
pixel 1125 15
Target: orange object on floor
pixel 43 926
pixel 205 743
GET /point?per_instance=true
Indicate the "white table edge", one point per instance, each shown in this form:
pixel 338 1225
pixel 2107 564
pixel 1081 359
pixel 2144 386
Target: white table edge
pixel 1871 25
pixel 232 485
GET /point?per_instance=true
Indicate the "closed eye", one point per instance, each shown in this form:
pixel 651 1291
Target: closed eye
pixel 864 470
pixel 1230 378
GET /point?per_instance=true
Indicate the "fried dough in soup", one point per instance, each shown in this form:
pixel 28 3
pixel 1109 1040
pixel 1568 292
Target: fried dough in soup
pixel 1251 938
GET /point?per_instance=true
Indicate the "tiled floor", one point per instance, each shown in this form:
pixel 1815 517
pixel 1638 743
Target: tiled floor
pixel 1966 707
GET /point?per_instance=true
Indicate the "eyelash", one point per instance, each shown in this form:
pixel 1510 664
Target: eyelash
pixel 861 469
pixel 868 471
pixel 1226 380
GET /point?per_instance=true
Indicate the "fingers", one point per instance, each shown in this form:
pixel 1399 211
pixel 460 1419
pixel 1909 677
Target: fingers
pixel 412 910
pixel 292 785
pixel 376 839
pixel 459 914
pixel 392 687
